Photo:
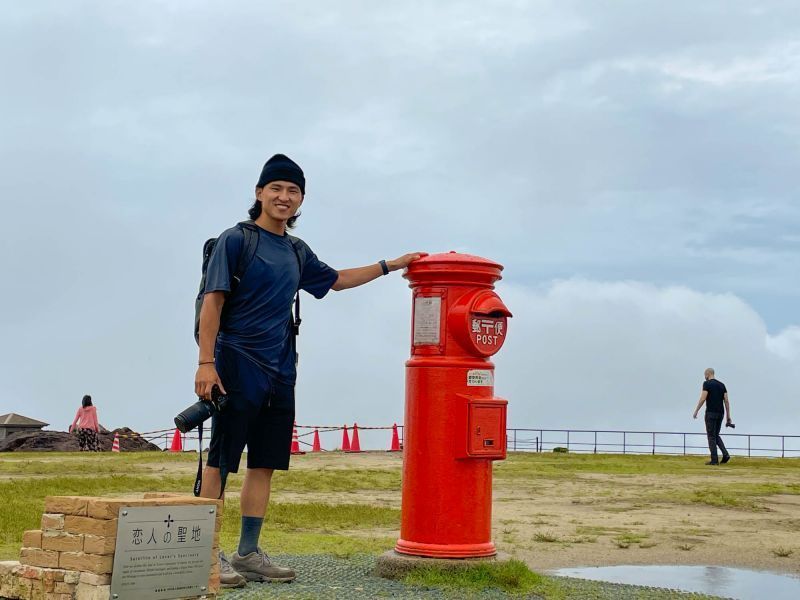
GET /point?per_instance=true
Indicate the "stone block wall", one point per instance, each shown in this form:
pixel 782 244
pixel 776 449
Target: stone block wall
pixel 72 555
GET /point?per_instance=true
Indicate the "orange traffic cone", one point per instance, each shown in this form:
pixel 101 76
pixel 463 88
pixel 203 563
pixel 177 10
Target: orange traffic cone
pixel 295 449
pixel 355 446
pixel 177 442
pixel 345 440
pixel 395 440
pixel 315 447
pixel 115 445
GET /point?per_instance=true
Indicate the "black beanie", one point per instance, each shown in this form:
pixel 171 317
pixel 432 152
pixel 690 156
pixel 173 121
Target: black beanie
pixel 282 168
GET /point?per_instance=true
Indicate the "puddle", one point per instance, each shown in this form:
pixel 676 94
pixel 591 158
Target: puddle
pixel 741 584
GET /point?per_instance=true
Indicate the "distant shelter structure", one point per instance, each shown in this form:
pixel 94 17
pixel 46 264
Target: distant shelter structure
pixel 14 423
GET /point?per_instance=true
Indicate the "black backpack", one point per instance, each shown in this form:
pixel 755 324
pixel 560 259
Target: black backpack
pixel 249 247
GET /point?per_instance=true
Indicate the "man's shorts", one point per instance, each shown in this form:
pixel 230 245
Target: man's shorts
pixel 259 413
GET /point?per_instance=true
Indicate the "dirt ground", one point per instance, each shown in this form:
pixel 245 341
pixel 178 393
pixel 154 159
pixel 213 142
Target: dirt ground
pixel 596 519
pixel 588 531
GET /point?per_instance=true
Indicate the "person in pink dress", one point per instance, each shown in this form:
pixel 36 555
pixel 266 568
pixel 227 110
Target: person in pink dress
pixel 86 426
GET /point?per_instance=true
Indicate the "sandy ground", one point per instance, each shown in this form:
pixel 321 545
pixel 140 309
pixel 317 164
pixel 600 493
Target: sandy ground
pixel 575 524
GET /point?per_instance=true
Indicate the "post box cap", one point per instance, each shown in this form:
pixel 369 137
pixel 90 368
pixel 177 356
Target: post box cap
pixel 453 268
pixel 456 258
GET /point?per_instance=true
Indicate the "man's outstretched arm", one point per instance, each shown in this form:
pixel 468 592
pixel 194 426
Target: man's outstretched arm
pixel 350 278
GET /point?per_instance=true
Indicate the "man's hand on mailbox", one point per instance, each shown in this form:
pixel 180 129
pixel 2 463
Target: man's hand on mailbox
pixel 404 261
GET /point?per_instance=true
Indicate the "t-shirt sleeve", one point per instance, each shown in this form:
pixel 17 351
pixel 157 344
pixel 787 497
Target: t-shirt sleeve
pixel 706 387
pixel 317 277
pixel 223 261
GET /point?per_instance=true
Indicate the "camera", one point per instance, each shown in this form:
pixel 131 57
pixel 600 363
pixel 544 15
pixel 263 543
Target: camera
pixel 731 425
pixel 200 411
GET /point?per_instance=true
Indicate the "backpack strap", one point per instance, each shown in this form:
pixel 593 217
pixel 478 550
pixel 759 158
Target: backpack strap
pixel 297 320
pixel 249 247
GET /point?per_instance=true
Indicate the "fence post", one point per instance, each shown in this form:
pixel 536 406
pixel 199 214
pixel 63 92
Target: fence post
pixel 684 443
pixel 623 442
pixel 748 445
pixel 783 452
pixel 567 439
pixel 654 443
pixel 595 442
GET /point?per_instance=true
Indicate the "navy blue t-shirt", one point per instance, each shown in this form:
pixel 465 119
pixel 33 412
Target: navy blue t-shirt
pixel 256 318
pixel 716 396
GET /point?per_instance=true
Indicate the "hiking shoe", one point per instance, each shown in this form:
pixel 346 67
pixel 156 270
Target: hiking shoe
pixel 725 459
pixel 228 577
pixel 257 566
pixel 712 462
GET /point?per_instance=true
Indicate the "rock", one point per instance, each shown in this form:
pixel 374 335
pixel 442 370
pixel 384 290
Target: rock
pixel 61 441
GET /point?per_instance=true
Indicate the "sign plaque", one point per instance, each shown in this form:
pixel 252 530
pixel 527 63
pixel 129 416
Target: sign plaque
pixel 163 552
pixel 427 320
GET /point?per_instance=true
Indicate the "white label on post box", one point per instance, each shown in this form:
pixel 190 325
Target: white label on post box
pixel 480 377
pixel 427 320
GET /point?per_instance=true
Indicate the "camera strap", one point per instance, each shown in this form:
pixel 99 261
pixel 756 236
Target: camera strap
pixel 198 482
pixel 223 470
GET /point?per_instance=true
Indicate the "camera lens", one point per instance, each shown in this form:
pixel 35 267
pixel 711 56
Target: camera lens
pixel 194 415
pixel 181 424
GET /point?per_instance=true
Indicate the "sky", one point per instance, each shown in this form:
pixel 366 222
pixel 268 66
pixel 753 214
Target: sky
pixel 634 166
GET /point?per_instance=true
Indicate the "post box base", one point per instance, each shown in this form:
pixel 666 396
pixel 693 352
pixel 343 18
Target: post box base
pixel 445 550
pixel 393 565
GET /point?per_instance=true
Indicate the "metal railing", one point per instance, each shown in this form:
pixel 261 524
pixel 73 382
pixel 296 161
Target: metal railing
pixel 649 442
pixel 589 441
pixel 163 438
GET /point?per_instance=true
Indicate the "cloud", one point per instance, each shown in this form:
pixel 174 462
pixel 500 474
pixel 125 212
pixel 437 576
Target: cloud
pixel 630 355
pixel 786 344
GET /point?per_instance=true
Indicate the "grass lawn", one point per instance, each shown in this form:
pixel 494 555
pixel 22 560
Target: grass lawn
pixel 296 528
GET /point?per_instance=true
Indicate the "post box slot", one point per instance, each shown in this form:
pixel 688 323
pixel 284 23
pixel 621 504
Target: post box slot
pixel 489 304
pixel 492 314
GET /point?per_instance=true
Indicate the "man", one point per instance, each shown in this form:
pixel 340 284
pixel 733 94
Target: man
pixel 248 351
pixel 714 395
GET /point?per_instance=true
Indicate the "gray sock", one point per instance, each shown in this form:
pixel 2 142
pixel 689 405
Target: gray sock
pixel 248 539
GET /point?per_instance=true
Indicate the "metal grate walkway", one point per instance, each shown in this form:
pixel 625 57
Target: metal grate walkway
pixel 325 577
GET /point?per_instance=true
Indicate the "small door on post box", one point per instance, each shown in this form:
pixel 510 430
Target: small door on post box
pixel 486 428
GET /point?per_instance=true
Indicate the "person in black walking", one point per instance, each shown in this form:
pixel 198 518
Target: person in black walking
pixel 715 397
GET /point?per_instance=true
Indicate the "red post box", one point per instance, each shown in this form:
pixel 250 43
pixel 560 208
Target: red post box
pixel 454 425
